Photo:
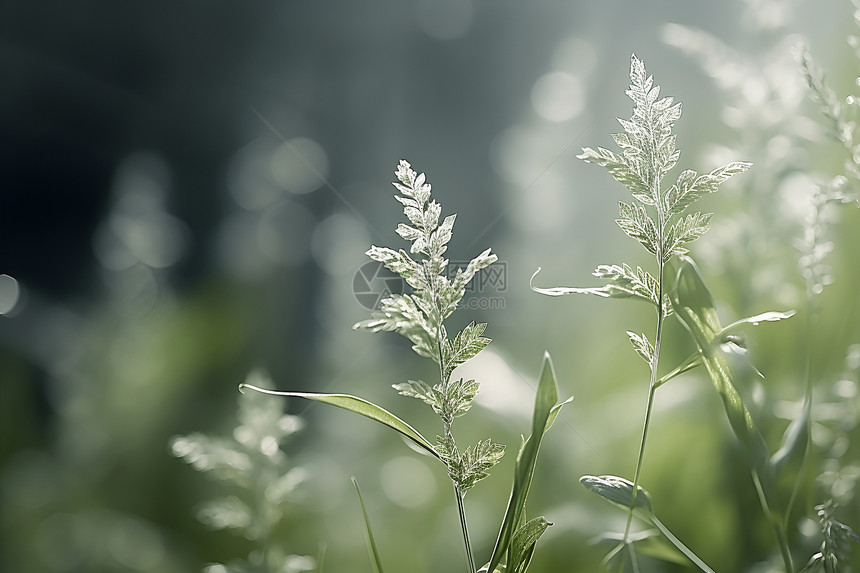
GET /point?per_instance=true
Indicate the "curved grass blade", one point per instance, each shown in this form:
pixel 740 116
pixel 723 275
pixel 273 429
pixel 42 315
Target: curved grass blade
pixel 559 291
pixel 795 441
pixel 770 316
pixel 358 406
pixel 695 307
pixel 375 560
pixel 545 412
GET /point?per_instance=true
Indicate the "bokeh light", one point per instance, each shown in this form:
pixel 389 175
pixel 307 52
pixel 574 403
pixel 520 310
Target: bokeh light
pixel 299 165
pixel 10 294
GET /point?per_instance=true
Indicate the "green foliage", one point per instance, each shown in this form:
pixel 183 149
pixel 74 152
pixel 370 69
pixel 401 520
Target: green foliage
pixel 648 153
pixel 358 406
pixel 448 401
pixel 473 464
pixel 546 410
pixel 621 492
pixel 836 544
pixel 373 552
pixel 658 220
pixel 420 316
pixel 618 490
pixel 262 480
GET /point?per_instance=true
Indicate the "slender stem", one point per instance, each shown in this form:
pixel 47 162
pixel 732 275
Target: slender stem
pixel 681 547
pixel 465 528
pixel 652 388
pixel 634 561
pixel 777 525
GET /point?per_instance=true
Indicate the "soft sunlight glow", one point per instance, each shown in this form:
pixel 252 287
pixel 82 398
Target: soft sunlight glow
pixel 338 243
pixel 299 165
pixel 558 96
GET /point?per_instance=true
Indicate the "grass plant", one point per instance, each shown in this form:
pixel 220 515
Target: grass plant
pixel 657 220
pixel 661 216
pixel 420 317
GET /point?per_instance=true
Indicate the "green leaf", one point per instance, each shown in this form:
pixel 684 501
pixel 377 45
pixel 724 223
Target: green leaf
pixel 682 193
pixel 695 308
pixel 642 346
pixel 401 314
pixel 684 231
pixel 467 344
pixel 559 291
pixel 651 151
pixel 637 224
pixel 396 261
pixel 358 406
pixel 770 316
pixel 624 282
pixel 476 463
pixel 417 389
pixel 690 186
pixel 618 168
pixel 795 441
pixel 545 412
pixel 373 552
pixel 523 543
pixel 619 491
pixel 463 276
pixel 458 396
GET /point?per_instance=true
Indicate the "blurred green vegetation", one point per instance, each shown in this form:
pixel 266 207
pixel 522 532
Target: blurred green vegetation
pixel 187 193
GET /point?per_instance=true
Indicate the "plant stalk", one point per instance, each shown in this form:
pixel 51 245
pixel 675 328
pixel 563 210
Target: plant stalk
pixel 777 525
pixel 652 387
pixel 462 510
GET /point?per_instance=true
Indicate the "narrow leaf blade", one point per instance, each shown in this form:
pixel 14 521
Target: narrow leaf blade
pixel 358 406
pixel 695 307
pixel 545 412
pixel 375 560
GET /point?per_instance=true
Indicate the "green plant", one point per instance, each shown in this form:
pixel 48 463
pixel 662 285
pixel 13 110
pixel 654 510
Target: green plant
pixel 260 478
pixel 657 220
pixel 420 317
pixel 774 115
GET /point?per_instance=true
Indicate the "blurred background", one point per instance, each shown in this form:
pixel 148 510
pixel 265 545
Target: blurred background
pixel 187 190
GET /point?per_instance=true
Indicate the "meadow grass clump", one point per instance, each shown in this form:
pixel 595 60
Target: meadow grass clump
pixel 420 317
pixel 660 218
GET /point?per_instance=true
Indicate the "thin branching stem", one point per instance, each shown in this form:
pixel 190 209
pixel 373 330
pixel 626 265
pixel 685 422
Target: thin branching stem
pixel 462 510
pixel 443 367
pixel 652 386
